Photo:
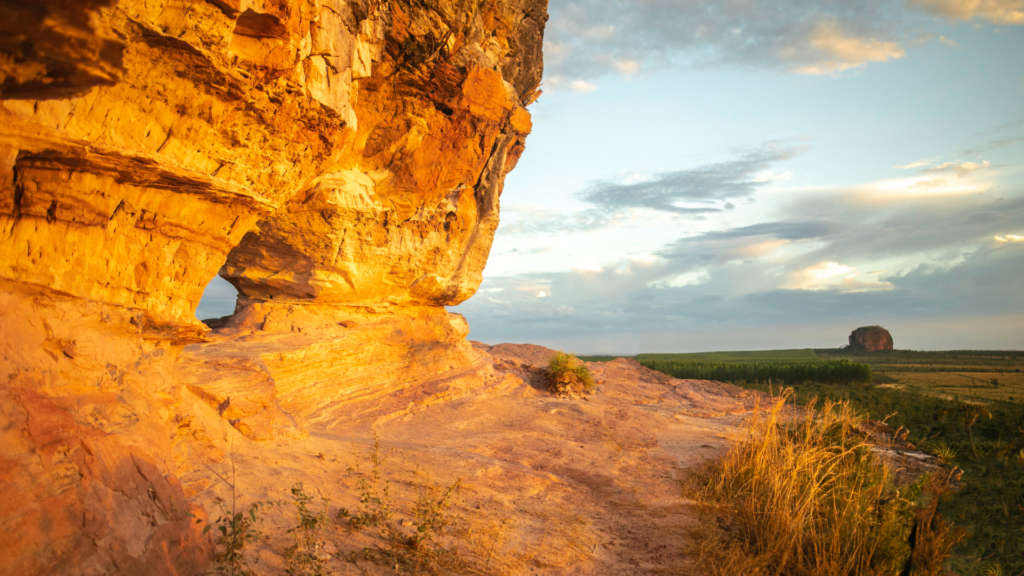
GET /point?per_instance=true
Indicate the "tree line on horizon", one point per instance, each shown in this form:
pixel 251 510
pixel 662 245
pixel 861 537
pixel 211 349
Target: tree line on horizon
pixel 789 373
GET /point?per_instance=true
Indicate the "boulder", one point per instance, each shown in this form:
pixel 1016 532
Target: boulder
pixel 871 339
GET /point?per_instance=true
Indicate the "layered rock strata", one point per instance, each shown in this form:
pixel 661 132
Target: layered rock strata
pixel 340 162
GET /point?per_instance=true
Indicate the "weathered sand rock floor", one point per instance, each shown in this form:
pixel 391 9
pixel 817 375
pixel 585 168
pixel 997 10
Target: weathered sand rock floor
pixel 580 486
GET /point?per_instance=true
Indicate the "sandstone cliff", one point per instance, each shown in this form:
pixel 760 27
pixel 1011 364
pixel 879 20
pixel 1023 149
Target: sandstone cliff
pixel 339 161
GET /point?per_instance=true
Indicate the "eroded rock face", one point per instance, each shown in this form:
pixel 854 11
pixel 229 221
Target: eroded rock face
pixel 871 339
pixel 339 161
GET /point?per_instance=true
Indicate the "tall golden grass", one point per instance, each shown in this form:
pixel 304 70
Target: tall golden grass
pixel 805 495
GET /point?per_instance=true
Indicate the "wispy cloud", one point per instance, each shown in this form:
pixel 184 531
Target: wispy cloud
pixel 840 258
pixel 701 190
pixel 588 39
pixel 1002 136
pixel 959 167
pixel 842 51
pixel 996 11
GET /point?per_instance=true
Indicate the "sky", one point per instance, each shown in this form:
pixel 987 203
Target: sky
pixel 746 174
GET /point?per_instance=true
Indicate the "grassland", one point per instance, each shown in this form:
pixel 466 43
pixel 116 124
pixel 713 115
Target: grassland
pixel 932 395
pixel 972 375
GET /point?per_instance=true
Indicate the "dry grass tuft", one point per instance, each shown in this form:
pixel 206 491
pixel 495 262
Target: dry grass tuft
pixel 805 495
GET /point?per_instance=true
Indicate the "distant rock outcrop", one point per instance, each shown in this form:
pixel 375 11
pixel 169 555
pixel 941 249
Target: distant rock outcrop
pixel 871 339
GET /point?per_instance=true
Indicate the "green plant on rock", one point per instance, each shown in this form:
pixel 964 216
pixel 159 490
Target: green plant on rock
pixel 420 551
pixel 306 556
pixel 237 531
pixel 374 495
pixel 941 450
pixel 236 528
pixel 430 516
pixel 568 375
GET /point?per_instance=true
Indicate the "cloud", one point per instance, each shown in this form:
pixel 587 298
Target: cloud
pixel 841 258
pixel 912 165
pixel 996 11
pixel 1000 137
pixel 784 230
pixel 841 51
pixel 582 86
pixel 954 177
pixel 993 144
pixel 586 40
pixel 960 168
pixel 816 276
pixel 832 276
pixel 949 42
pixel 701 190
pixel 625 314
pixel 519 220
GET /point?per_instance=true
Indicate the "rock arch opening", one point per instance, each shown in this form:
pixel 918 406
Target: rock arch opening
pixel 218 300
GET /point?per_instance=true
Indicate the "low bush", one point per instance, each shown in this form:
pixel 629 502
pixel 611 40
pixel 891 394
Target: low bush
pixel 425 551
pixel 237 531
pixel 806 495
pixel 306 556
pixel 568 375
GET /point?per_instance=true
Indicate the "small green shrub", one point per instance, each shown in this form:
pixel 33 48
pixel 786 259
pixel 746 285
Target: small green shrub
pixel 941 450
pixel 424 550
pixel 237 532
pixel 306 556
pixel 568 375
pixel 374 495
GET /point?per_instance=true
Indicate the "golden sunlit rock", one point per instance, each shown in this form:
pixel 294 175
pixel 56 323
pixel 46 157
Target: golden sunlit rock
pixel 340 162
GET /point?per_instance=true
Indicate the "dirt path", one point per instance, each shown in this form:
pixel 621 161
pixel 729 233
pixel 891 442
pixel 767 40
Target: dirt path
pixel 555 485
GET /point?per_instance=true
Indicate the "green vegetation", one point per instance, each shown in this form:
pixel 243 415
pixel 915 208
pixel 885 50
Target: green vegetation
pixel 568 375
pixel 237 532
pixel 832 372
pixel 434 542
pixel 422 552
pixel 807 495
pixel 306 556
pixel 804 355
pixel 965 406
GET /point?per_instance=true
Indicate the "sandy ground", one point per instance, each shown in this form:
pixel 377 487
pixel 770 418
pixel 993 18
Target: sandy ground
pixel 549 485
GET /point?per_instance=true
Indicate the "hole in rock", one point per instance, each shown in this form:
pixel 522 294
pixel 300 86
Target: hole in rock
pixel 218 301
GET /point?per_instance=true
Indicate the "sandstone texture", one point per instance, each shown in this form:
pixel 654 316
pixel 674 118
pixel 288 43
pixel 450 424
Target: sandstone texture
pixel 339 161
pixel 871 339
pixel 550 485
